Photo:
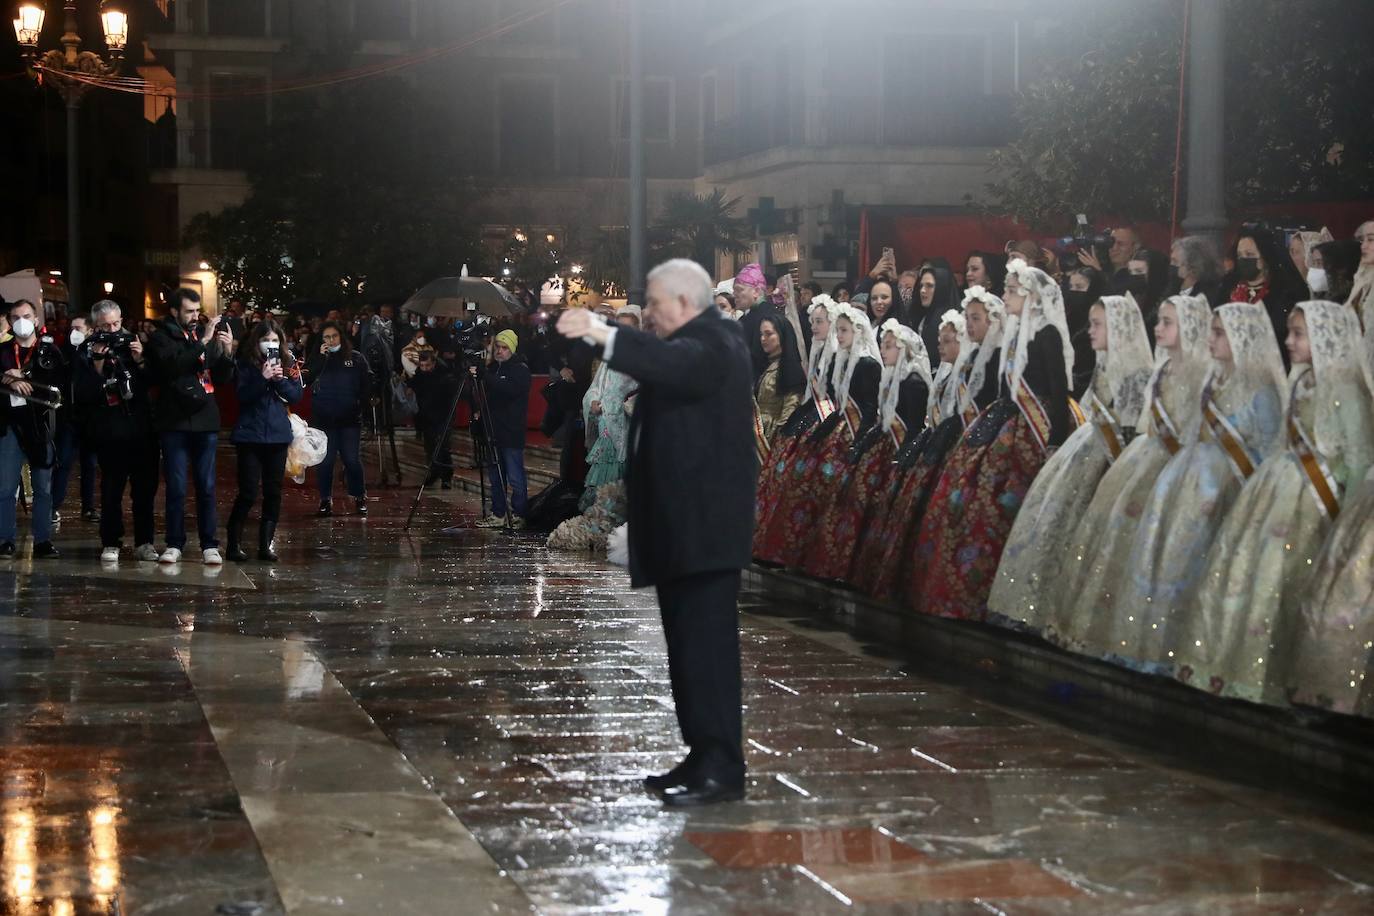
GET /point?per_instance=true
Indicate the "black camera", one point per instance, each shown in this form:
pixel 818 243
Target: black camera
pixel 1085 238
pixel 472 342
pixel 115 342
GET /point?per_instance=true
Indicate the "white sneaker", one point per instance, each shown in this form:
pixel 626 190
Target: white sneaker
pixel 170 556
pixel 490 521
pixel 109 555
pixel 212 556
pixel 145 553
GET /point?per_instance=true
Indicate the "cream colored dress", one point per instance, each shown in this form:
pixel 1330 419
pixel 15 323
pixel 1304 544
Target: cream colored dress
pixel 1333 646
pixel 1029 584
pixel 1236 637
pixel 1194 491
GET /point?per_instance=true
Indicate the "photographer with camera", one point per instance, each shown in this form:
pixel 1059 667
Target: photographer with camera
pixel 341 386
pixel 268 380
pixel 434 385
pixel 71 444
pixel 34 373
pixel 187 359
pixel 507 382
pixel 110 389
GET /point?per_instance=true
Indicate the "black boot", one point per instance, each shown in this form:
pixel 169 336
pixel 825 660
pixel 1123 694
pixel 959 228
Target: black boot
pixel 266 531
pixel 234 546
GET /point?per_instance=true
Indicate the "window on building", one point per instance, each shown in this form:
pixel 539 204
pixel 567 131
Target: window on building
pixel 238 117
pixel 658 109
pixel 247 18
pixel 527 140
pixel 385 20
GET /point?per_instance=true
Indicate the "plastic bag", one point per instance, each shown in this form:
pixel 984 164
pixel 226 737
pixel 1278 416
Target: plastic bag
pixel 307 449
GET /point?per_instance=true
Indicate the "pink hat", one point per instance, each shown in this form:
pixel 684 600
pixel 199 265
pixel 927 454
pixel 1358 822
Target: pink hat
pixel 752 275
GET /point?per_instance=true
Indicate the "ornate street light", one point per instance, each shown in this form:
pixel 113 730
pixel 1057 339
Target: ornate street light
pixel 68 69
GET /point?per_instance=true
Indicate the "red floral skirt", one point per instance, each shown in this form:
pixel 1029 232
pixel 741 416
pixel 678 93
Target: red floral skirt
pixel 773 473
pixel 882 565
pixel 805 488
pixel 960 541
pixel 836 535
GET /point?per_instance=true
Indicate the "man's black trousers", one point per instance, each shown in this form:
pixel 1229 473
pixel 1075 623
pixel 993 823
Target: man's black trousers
pixel 701 621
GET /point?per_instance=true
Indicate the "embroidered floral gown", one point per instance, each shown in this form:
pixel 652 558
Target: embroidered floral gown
pixel 981 488
pixel 882 559
pixel 1333 647
pixel 773 474
pixel 1237 636
pixel 1027 588
pixel 1180 521
pixel 809 475
pixel 607 434
pixel 864 478
pixel 1099 555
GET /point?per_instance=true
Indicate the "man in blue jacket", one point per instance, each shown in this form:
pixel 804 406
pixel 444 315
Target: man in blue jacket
pixel 507 383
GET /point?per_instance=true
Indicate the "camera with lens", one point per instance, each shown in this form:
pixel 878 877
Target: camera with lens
pixel 472 342
pixel 1085 238
pixel 116 343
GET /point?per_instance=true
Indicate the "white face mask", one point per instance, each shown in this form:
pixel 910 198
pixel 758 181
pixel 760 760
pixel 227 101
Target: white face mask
pixel 77 337
pixel 24 328
pixel 1316 280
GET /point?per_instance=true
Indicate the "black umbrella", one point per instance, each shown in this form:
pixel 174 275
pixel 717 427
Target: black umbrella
pixel 461 297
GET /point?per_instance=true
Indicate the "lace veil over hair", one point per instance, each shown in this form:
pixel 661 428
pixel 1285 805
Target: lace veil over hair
pixel 1188 365
pixel 913 361
pixel 1127 362
pixel 997 320
pixel 865 344
pixel 946 399
pixel 1343 382
pixel 1044 308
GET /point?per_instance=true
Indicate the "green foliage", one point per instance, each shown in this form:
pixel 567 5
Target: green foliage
pixel 700 227
pixel 354 196
pixel 1098 125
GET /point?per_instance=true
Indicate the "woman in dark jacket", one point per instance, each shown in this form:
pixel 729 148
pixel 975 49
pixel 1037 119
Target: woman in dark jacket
pixel 266 384
pixel 341 386
pixel 1265 273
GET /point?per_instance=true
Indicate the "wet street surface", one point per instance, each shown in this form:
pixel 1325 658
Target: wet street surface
pixel 458 722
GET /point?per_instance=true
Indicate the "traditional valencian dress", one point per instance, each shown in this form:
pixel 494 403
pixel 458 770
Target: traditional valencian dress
pixel 808 480
pixel 1333 648
pixel 881 569
pixel 608 433
pixel 869 466
pixel 1098 556
pixel 987 475
pixel 1242 421
pixel 1236 637
pixel 819 403
pixel 1030 578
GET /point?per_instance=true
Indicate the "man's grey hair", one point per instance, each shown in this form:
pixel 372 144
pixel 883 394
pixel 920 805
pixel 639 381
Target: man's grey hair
pixel 105 307
pixel 1199 257
pixel 686 278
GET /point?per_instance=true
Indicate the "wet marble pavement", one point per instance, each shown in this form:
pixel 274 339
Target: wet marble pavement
pixel 458 722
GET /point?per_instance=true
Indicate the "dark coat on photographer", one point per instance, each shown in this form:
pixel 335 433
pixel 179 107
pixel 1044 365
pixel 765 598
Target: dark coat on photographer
pixel 34 424
pixel 508 401
pixel 434 392
pixel 123 421
pixel 340 386
pixel 692 461
pixel 176 358
pixel 263 415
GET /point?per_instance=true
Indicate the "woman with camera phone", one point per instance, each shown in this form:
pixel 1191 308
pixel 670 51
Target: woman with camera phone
pixel 268 380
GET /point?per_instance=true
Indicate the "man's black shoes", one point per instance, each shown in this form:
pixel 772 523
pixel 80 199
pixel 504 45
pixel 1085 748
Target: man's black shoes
pixel 7 550
pixel 701 792
pixel 45 551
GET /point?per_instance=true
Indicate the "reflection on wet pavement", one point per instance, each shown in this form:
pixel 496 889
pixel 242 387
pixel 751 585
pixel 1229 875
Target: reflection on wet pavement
pixel 459 723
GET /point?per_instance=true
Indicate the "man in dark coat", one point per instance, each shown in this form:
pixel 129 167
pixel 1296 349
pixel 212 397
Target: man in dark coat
pixel 691 482
pixel 751 299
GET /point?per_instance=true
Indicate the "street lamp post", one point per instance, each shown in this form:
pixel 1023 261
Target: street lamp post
pixel 64 65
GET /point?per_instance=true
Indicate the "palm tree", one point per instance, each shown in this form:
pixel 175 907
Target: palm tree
pixel 697 227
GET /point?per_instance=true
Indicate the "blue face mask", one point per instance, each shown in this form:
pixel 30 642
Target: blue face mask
pixel 336 348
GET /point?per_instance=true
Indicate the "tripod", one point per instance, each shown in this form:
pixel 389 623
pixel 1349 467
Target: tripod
pixel 473 384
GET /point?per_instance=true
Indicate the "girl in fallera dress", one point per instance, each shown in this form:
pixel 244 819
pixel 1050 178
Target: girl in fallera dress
pixel 1242 407
pixel 779 390
pixel 818 397
pixel 986 477
pixel 1237 634
pixel 809 478
pixel 882 547
pixel 1030 579
pixel 868 468
pixel 1099 553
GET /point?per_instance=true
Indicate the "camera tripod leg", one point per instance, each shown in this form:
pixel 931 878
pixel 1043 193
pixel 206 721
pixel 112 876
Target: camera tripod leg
pixel 434 455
